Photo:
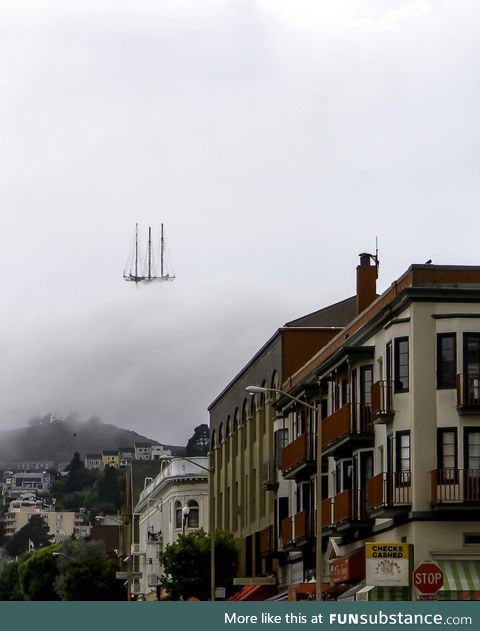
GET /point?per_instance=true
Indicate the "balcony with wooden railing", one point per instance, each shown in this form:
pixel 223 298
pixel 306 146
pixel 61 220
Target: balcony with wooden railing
pixel 382 399
pixel 296 530
pixel 286 532
pixel 345 510
pixel 299 455
pixel 268 545
pixel 452 486
pixel 327 513
pixel 468 393
pixel 269 475
pixel 389 493
pixel 350 422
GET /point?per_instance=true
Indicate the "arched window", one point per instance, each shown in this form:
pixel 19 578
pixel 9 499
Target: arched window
pixel 193 514
pixel 178 514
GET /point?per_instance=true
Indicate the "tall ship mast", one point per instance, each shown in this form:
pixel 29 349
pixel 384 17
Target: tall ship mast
pixel 141 268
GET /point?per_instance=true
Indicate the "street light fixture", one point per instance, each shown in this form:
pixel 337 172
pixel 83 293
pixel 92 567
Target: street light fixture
pixel 62 554
pixel 211 522
pixel 318 555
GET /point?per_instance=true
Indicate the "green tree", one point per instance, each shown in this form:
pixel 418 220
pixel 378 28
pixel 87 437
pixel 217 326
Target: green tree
pixel 109 494
pixel 37 573
pixel 187 564
pixel 86 573
pixel 199 443
pixel 9 583
pixel 71 491
pixel 35 531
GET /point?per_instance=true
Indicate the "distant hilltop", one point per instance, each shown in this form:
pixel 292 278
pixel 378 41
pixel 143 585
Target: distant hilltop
pixel 52 439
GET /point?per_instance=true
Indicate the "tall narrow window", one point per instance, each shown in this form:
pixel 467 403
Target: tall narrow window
pixel 471 369
pixel 401 364
pixel 281 441
pixel 472 448
pixel 366 379
pixel 403 457
pixel 471 353
pixel 446 360
pixel 193 517
pixel 388 362
pixel 447 448
pixel 178 514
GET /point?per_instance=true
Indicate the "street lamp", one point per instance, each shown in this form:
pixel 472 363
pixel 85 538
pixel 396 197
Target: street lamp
pixel 211 522
pixel 62 554
pixel 318 554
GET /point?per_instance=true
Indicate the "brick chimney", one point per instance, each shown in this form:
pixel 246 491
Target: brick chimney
pixel 366 281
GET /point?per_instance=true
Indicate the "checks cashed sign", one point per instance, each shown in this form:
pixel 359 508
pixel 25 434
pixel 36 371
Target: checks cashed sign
pixel 387 563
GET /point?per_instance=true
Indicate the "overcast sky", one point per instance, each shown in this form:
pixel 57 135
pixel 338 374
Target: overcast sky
pixel 274 138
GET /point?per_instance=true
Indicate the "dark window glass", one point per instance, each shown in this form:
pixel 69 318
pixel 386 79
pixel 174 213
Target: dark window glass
pixel 366 379
pixel 446 360
pixel 178 515
pixel 281 441
pixel 193 517
pixel 471 353
pixel 401 364
pixel 403 457
pixel 447 453
pixel 472 448
pixel 388 357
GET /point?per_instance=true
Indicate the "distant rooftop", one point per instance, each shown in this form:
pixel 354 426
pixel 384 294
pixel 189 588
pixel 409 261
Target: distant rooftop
pixel 337 315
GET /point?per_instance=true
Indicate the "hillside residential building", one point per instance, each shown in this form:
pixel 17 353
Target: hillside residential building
pixel 93 461
pixel 175 501
pixel 20 482
pixel 62 524
pixel 126 455
pixel 110 458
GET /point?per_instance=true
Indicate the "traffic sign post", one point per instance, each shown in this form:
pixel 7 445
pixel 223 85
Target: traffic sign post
pixel 427 578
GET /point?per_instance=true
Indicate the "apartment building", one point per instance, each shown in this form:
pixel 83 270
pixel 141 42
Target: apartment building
pixel 175 501
pixel 250 496
pixel 62 524
pixel 398 399
pixel 20 482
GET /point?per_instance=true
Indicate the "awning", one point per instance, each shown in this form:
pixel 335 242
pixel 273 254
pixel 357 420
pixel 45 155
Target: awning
pixel 352 591
pixel 255 592
pixel 281 596
pixel 460 576
pixel 381 593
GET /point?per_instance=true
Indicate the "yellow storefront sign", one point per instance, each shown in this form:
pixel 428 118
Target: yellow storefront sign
pixel 382 550
pixel 387 563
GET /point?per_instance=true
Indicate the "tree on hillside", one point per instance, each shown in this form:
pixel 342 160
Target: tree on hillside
pixel 35 531
pixel 198 444
pixel 72 490
pixel 36 574
pixel 187 564
pixel 108 491
pixel 9 585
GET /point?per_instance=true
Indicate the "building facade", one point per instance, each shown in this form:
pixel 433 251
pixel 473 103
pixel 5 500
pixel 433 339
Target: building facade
pixel 173 502
pixel 251 498
pixel 398 399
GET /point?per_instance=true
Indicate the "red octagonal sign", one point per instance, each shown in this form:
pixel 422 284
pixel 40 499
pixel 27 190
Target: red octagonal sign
pixel 428 578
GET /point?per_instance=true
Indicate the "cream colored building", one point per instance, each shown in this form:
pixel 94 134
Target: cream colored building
pixel 62 524
pixel 399 394
pixel 175 501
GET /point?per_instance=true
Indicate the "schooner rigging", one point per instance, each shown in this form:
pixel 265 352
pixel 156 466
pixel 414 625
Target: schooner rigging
pixel 140 269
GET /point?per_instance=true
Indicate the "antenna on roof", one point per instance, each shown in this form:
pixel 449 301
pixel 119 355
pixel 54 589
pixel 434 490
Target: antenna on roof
pixel 375 258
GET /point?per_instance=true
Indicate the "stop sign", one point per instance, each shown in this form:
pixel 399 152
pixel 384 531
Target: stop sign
pixel 428 578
